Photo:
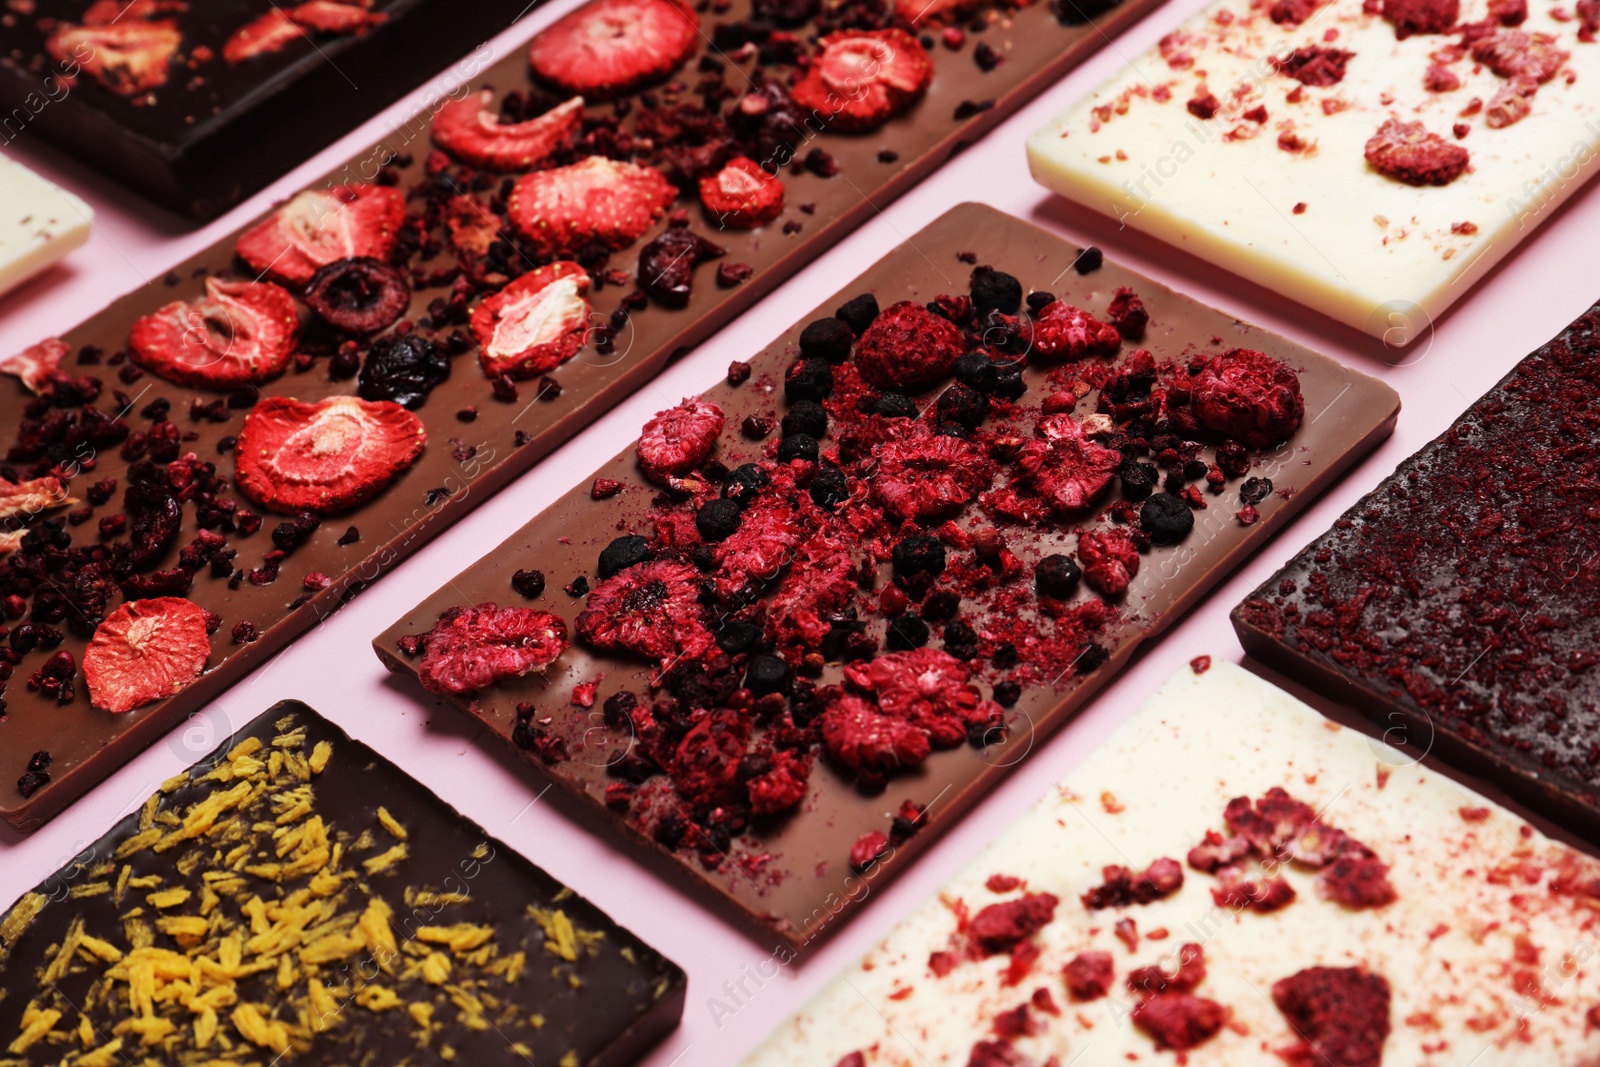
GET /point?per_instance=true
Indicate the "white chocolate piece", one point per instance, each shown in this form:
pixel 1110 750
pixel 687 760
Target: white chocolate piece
pixel 1447 945
pixel 39 223
pixel 1368 250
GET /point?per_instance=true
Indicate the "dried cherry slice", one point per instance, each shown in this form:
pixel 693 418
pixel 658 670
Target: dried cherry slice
pixel 360 295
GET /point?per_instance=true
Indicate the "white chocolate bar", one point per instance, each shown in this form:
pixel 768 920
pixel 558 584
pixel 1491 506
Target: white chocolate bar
pixel 39 223
pixel 1372 251
pixel 1473 905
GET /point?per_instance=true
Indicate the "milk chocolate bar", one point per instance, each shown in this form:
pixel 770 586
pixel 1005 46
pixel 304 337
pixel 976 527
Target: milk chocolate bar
pixel 814 613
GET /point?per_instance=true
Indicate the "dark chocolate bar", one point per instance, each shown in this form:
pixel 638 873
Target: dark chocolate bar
pixel 1458 604
pixel 778 690
pixel 445 229
pixel 196 104
pixel 295 896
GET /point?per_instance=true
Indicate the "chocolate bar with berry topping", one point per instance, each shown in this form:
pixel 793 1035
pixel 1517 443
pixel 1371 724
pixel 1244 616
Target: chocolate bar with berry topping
pixel 1457 602
pixel 813 614
pixel 501 269
pixel 296 897
pixel 1102 927
pixel 196 104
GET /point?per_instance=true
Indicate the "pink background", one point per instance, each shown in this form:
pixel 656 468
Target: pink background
pixel 1532 295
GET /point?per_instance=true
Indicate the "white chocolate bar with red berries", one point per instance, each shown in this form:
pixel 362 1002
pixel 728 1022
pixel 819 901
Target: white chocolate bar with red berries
pixel 39 223
pixel 1237 139
pixel 1486 952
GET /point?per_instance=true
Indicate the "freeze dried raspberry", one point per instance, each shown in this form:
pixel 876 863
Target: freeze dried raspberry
pixel 1110 560
pixel 535 324
pixel 781 786
pixel 1407 152
pixel 326 457
pixel 145 650
pixel 1001 927
pixel 607 47
pixel 129 58
pixel 868 849
pixel 1294 12
pixel 596 199
pixel 1357 881
pixel 1249 396
pixel 819 582
pixel 1313 65
pixel 862 738
pixel 926 475
pixel 677 440
pixel 1127 313
pixel 1421 16
pixel 1190 972
pixel 1179 1021
pixel 1065 466
pixel 705 764
pixel 1515 54
pixel 318 227
pixel 861 79
pixel 1510 104
pixel 36 365
pixel 470 129
pixel 652 609
pixel 239 333
pixel 1273 894
pixel 1088 975
pixel 925 687
pixel 1062 331
pixel 742 194
pixel 758 550
pixel 908 348
pixel 472 648
pixel 1120 887
pixel 1340 1013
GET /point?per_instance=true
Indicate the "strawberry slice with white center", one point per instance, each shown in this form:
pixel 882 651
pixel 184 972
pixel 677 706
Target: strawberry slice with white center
pixel 128 58
pixel 239 333
pixel 471 130
pixel 23 500
pixel 318 227
pixel 330 16
pixel 863 78
pixel 742 195
pixel 146 650
pixel 597 199
pixel 109 12
pixel 272 32
pixel 325 457
pixel 36 363
pixel 535 324
pixel 610 46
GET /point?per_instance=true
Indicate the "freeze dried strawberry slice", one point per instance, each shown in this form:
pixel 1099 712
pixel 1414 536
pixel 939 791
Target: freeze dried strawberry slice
pixel 927 475
pixel 535 324
pixel 37 363
pixel 1249 396
pixel 927 688
pixel 1110 560
pixel 145 650
pixel 470 129
pixel 23 500
pixel 908 347
pixel 325 457
pixel 864 739
pixel 1065 332
pixel 272 32
pixel 109 12
pixel 678 440
pixel 238 333
pixel 863 78
pixel 330 16
pixel 597 199
pixel 1515 54
pixel 476 647
pixel 1407 152
pixel 1313 65
pixel 610 46
pixel 1065 466
pixel 128 58
pixel 650 608
pixel 742 194
pixel 318 227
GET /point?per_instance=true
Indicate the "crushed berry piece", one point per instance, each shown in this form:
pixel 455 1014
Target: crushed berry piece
pixel 529 583
pixel 986 57
pixel 578 587
pixel 604 489
pixel 869 849
pixel 1121 887
pixel 1127 313
pixel 738 372
pixel 1002 926
pixel 1341 1015
pixel 1088 975
pixel 732 275
pixel 1179 1021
